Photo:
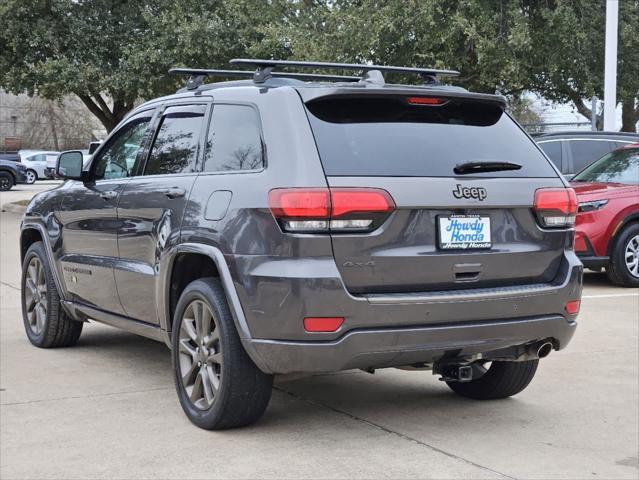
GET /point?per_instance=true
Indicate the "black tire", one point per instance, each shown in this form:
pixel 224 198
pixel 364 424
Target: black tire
pixel 501 380
pixel 617 270
pixel 35 176
pixel 243 391
pixel 6 181
pixel 57 328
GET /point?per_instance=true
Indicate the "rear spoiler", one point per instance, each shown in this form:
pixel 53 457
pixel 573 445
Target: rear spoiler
pixel 311 94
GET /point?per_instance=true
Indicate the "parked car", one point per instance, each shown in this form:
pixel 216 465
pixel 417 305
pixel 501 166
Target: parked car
pixel 273 225
pixel 11 157
pixel 607 229
pixel 574 151
pixel 36 163
pixel 11 173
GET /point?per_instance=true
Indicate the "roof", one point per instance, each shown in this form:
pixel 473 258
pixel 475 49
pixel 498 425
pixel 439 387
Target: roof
pixel 586 134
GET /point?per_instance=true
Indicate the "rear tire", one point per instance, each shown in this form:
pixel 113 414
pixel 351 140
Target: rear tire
pixel 623 268
pixel 47 325
pixel 501 380
pixel 217 383
pixel 6 181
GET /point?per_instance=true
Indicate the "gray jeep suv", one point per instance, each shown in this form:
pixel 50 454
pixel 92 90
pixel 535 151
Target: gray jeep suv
pixel 302 223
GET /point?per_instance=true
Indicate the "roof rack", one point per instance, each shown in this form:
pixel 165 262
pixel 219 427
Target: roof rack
pixel 264 69
pixel 197 75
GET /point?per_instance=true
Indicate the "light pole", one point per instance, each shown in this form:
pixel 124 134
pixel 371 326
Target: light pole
pixel 610 66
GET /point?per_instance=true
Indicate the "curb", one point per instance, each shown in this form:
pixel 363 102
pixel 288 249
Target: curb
pixel 13 208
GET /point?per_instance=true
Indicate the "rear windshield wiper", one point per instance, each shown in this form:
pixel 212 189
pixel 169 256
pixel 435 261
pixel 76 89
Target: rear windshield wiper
pixel 479 167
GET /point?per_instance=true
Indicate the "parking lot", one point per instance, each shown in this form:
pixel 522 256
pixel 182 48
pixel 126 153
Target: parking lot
pixel 107 408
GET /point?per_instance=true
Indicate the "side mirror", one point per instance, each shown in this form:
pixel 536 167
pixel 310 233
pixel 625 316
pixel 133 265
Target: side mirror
pixel 69 165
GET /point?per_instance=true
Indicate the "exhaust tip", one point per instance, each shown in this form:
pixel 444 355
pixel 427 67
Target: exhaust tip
pixel 544 350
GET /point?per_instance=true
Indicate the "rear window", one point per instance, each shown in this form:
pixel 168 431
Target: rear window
pixel 388 137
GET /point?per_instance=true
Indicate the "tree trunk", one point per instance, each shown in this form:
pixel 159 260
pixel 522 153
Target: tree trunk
pixel 109 117
pixel 629 115
pixel 52 120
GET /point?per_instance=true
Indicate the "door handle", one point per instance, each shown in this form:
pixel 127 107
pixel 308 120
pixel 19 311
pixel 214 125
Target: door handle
pixel 175 192
pixel 108 195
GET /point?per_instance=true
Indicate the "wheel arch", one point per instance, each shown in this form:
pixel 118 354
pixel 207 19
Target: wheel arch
pixel 627 220
pixel 28 236
pixel 33 232
pixel 182 257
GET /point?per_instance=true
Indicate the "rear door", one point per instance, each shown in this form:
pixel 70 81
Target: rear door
pixel 152 205
pixel 431 241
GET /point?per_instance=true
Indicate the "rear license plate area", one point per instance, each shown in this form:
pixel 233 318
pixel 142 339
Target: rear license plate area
pixel 464 232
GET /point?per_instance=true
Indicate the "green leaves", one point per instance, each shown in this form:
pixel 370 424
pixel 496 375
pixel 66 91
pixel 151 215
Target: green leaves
pixel 113 53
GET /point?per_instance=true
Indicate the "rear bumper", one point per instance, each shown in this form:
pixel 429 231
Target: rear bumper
pixel 405 346
pixel 389 329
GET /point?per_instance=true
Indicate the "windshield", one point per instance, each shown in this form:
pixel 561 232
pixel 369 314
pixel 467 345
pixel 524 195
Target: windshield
pixel 621 166
pixel 389 137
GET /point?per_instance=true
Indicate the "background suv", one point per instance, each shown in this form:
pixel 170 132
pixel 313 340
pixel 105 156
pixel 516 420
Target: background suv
pixel 274 225
pixel 608 219
pixel 571 152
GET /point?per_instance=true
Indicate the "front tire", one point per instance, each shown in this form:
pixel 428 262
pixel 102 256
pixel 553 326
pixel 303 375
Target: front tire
pixel 623 269
pixel 218 385
pixel 500 380
pixel 47 325
pixel 32 176
pixel 6 181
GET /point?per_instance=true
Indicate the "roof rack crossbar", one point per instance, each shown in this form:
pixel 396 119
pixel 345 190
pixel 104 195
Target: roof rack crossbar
pixel 196 75
pixel 264 67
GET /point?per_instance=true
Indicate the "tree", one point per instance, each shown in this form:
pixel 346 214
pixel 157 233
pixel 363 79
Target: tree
pixel 567 58
pixel 552 47
pixel 112 53
pixel 485 40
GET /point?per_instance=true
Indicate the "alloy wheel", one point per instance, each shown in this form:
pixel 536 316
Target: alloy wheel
pixel 36 295
pixel 631 256
pixel 200 355
pixel 5 183
pixel 31 177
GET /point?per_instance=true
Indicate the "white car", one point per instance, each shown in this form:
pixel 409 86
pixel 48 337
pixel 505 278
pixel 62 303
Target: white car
pixel 36 163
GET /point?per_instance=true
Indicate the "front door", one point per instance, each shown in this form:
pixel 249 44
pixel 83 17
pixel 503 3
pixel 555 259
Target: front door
pixel 152 205
pixel 89 220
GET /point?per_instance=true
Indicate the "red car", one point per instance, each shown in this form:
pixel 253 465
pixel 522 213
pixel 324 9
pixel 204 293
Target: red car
pixel 607 227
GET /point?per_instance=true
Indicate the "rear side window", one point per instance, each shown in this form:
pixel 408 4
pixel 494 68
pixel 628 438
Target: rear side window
pixel 234 141
pixel 584 152
pixel 553 150
pixel 174 149
pixel 369 136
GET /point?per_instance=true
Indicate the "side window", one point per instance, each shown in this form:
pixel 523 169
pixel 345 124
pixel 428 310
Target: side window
pixel 234 141
pixel 118 157
pixel 553 150
pixel 584 152
pixel 174 149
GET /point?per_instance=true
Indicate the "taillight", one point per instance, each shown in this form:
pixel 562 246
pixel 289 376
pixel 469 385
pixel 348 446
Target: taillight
pixel 317 210
pixel 556 207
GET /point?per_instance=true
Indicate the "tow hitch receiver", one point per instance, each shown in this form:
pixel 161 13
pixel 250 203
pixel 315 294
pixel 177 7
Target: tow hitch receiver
pixel 456 373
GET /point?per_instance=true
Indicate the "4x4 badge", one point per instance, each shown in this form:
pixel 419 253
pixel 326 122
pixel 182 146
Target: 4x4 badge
pixel 470 192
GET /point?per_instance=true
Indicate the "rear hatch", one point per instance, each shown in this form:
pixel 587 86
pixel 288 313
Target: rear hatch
pixel 474 229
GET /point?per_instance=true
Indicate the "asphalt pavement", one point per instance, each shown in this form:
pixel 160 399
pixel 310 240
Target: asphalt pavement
pixel 106 408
